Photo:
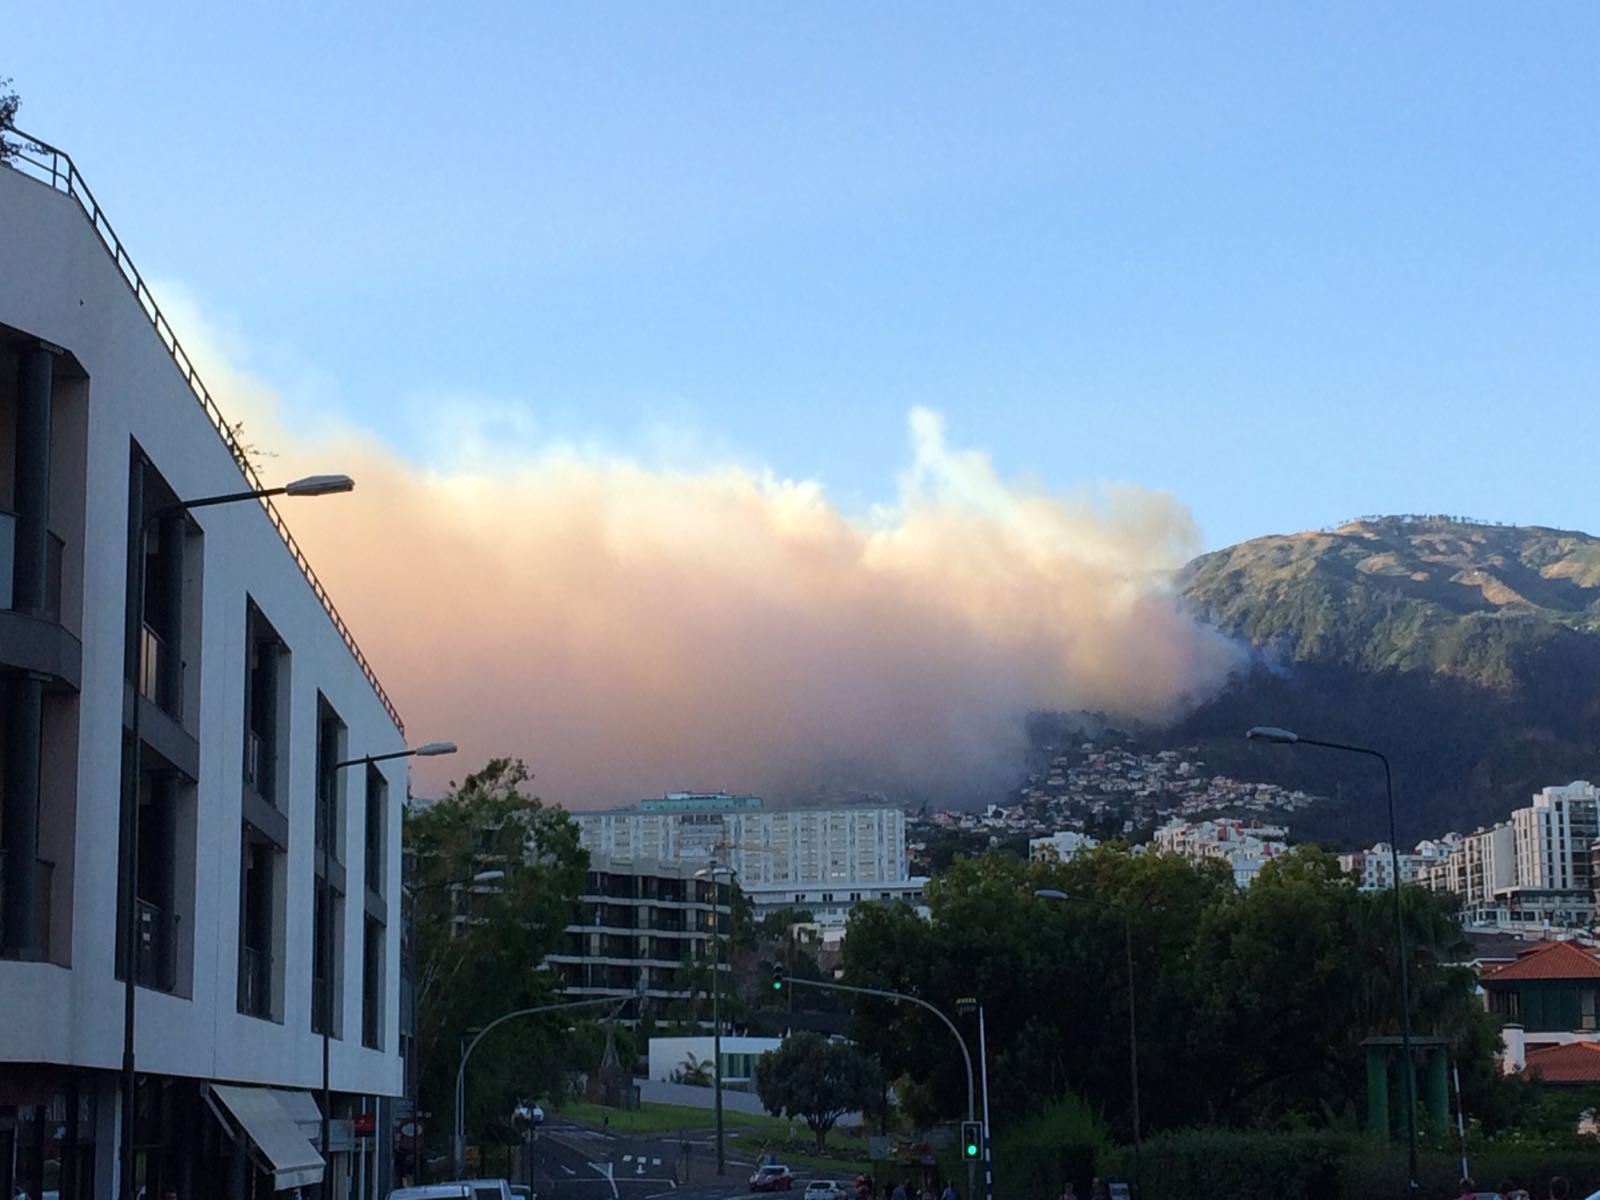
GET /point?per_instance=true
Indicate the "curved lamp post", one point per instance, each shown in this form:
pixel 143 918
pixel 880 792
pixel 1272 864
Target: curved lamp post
pixel 426 750
pixel 1284 737
pixel 1133 1028
pixel 711 873
pixel 310 485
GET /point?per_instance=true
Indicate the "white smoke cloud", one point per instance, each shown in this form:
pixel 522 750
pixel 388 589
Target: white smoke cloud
pixel 629 630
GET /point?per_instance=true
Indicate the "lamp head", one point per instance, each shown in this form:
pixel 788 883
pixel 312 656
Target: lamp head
pixel 1271 733
pixel 319 485
pixel 489 876
pixel 1050 894
pixel 434 749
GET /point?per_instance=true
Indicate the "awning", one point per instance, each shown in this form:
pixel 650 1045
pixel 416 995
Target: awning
pixel 280 1143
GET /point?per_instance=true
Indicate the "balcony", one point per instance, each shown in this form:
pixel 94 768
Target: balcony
pixel 157 930
pixel 55 548
pixel 255 982
pixel 16 942
pixel 258 765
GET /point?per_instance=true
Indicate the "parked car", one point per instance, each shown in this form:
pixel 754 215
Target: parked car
pixel 772 1178
pixel 457 1189
pixel 825 1189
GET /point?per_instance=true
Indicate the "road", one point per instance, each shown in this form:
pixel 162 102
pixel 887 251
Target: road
pixel 574 1162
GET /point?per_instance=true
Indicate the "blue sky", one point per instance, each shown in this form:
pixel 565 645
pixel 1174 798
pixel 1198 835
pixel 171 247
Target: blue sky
pixel 1292 263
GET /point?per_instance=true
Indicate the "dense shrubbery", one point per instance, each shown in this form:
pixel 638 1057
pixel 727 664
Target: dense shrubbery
pixel 1338 1165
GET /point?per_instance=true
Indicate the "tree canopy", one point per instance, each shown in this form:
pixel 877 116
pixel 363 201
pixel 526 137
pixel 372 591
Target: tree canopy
pixel 494 878
pixel 1251 1004
pixel 817 1080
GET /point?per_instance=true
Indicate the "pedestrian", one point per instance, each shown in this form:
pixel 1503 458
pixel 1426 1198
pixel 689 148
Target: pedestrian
pixel 1558 1188
pixel 1468 1191
pixel 1097 1190
pixel 899 1192
pixel 949 1192
pixel 1068 1192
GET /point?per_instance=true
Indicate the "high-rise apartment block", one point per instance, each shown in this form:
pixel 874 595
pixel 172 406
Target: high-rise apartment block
pixel 824 860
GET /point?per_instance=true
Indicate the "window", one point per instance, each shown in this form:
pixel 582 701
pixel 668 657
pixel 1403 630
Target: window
pixel 372 985
pixel 377 828
pixel 326 911
pixel 264 697
pixel 330 782
pixel 256 943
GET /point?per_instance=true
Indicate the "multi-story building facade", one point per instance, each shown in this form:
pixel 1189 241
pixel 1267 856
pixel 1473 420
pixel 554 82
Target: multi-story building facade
pixel 1062 846
pixel 1553 836
pixel 824 860
pixel 1244 846
pixel 1534 871
pixel 639 925
pixel 258 941
pixel 1373 867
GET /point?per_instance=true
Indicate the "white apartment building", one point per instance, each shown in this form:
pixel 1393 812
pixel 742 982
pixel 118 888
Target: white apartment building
pixel 1246 847
pixel 1374 866
pixel 1553 835
pixel 1061 846
pixel 825 860
pixel 1532 872
pixel 245 688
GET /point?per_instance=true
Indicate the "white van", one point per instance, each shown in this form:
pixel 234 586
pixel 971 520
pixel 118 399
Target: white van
pixel 457 1189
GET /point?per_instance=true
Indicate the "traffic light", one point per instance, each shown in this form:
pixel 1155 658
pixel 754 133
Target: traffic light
pixel 971 1139
pixel 777 977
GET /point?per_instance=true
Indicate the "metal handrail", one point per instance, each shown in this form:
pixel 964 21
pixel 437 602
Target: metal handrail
pixel 44 162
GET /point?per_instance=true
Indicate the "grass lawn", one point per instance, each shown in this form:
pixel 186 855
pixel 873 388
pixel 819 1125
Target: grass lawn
pixel 756 1133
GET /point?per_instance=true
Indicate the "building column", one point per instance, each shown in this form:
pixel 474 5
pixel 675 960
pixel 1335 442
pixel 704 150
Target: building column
pixel 1438 1090
pixel 21 935
pixel 1378 1090
pixel 32 478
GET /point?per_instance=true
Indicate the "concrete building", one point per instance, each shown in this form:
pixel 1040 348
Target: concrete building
pixel 1062 846
pixel 245 688
pixel 1533 872
pixel 673 1057
pixel 824 860
pixel 639 924
pixel 1245 846
pixel 1553 836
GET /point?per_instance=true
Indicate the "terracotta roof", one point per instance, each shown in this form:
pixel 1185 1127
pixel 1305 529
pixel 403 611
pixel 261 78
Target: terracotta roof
pixel 1550 960
pixel 1576 1062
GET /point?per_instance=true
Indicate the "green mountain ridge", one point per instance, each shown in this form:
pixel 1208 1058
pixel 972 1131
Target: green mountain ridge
pixel 1469 652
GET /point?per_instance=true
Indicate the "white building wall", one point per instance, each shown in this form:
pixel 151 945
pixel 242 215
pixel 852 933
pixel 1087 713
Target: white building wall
pixel 57 282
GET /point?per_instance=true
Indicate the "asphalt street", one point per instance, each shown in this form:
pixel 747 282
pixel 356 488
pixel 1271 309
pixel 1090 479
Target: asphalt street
pixel 574 1162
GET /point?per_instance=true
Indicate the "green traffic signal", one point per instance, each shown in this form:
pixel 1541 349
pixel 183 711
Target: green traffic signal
pixel 971 1139
pixel 777 979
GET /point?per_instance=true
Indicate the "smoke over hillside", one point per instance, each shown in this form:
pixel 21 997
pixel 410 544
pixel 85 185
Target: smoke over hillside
pixel 629 630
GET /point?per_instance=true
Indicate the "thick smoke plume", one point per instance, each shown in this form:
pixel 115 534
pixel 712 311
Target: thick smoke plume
pixel 630 631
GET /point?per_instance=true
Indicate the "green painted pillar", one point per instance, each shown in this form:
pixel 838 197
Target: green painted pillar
pixel 1378 1090
pixel 1438 1090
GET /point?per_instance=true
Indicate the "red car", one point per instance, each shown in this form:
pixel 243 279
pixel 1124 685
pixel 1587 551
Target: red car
pixel 772 1178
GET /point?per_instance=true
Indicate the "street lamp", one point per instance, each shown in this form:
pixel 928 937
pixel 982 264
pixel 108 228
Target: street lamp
pixel 325 1000
pixel 1283 737
pixel 1133 1029
pixel 414 1067
pixel 142 523
pixel 711 873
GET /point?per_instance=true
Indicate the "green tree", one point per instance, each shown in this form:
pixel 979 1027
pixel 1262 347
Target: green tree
pixel 818 1081
pixel 9 102
pixel 494 877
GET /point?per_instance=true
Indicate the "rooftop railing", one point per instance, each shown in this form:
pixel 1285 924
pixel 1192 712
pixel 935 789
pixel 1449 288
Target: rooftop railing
pixel 54 167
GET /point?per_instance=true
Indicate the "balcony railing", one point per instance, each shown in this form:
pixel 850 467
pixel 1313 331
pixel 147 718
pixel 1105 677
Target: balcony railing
pixel 55 169
pixel 16 941
pixel 54 550
pixel 255 982
pixel 152 650
pixel 258 765
pixel 157 941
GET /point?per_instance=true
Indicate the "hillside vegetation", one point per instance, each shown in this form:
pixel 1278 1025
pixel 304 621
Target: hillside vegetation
pixel 1469 652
